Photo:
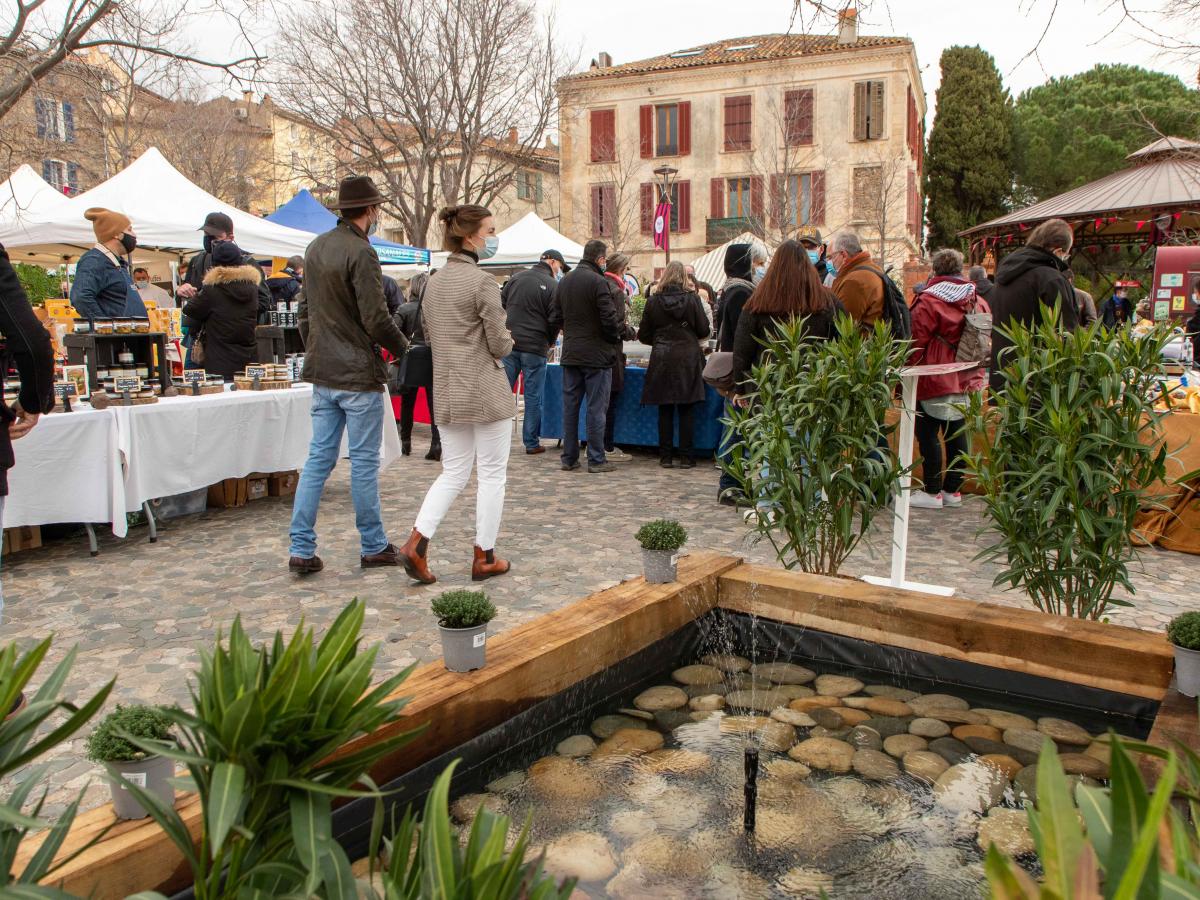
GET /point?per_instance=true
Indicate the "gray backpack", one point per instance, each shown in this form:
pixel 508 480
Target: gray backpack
pixel 975 344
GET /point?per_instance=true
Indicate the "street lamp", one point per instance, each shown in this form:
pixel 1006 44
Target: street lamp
pixel 667 173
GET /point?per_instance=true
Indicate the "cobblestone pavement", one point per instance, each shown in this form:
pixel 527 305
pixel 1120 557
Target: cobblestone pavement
pixel 138 611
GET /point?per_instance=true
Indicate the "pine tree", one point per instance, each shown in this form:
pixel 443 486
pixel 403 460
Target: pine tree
pixel 969 164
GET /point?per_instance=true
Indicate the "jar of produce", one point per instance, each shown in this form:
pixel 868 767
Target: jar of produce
pixel 125 357
pixel 104 326
pixel 141 326
pixel 123 326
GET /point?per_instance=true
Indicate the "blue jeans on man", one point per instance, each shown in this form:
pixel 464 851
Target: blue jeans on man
pixel 595 384
pixel 533 367
pixel 358 414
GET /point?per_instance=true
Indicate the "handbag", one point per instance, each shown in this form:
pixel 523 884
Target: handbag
pixel 416 368
pixel 198 348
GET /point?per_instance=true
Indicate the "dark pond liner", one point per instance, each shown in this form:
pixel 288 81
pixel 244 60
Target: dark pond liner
pixel 533 733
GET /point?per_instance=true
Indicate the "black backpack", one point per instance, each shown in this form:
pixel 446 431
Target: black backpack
pixel 895 311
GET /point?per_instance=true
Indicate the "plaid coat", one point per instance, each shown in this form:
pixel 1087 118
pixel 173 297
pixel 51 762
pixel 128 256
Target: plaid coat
pixel 465 327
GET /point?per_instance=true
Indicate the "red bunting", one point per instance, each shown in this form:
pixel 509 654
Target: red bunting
pixel 1141 224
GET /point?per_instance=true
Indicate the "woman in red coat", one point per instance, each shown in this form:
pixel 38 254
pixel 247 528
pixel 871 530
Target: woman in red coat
pixel 938 315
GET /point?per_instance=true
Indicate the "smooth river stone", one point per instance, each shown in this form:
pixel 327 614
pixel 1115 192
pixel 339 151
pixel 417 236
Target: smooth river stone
pixel 563 779
pixel 970 787
pixel 702 690
pixel 875 765
pixel 606 726
pixel 787 769
pixel 575 745
pixel 726 662
pixel 955 716
pixel 950 749
pixel 805 704
pixel 465 808
pixel 792 717
pixel 513 781
pixel 836 733
pixel 851 716
pixel 745 681
pixel 637 713
pixel 899 744
pixel 793 691
pixel 707 702
pixel 856 702
pixel 1082 764
pixel 580 854
pixel 837 685
pixel 677 762
pixel 824 753
pixel 1022 739
pixel 664 696
pixel 826 718
pixel 928 728
pixel 1100 750
pixel 776 736
pixel 863 738
pixel 983 747
pixel 937 701
pixel 887 725
pixel 783 673
pixel 885 706
pixel 1008 829
pixel 698 675
pixel 1006 764
pixel 924 764
pixel 742 724
pixel 762 700
pixel 1003 720
pixel 629 742
pixel 670 719
pixel 987 732
pixel 1064 732
pixel 887 690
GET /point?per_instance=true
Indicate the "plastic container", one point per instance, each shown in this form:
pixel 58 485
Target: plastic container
pixel 659 565
pixel 464 649
pixel 186 504
pixel 1187 671
pixel 151 775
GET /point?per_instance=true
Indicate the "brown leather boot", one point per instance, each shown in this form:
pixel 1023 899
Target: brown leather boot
pixel 487 565
pixel 414 558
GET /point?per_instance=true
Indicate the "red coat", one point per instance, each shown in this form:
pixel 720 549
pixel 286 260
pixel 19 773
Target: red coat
pixel 937 323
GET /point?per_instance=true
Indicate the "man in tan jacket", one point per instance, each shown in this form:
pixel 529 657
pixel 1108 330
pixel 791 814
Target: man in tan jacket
pixel 858 284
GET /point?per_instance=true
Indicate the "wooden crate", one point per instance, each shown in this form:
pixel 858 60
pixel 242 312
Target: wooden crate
pixel 247 384
pixel 26 537
pixel 229 493
pixel 283 484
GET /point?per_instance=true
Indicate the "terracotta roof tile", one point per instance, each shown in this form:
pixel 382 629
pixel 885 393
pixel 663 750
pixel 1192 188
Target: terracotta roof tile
pixel 740 50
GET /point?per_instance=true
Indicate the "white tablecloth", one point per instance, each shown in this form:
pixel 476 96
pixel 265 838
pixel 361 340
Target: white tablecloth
pixel 94 465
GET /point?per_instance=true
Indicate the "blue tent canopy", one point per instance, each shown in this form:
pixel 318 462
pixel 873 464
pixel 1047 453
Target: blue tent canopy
pixel 305 212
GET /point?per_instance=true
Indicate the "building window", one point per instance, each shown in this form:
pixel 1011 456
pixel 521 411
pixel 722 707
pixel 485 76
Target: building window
pixel 666 130
pixel 798 117
pixel 869 115
pixel 529 186
pixel 604 209
pixel 868 183
pixel 64 176
pixel 737 198
pixel 737 123
pixel 603 135
pixel 55 120
pixel 799 207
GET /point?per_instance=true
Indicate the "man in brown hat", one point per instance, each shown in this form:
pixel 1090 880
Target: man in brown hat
pixel 343 320
pixel 103 287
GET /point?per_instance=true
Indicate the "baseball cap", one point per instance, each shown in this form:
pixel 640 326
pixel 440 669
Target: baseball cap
pixel 217 223
pixel 809 235
pixel 555 255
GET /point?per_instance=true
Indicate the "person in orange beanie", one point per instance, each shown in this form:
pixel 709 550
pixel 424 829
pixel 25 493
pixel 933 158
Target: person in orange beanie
pixel 103 285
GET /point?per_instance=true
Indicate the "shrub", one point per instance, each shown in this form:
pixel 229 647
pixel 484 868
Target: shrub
pixel 811 452
pixel 665 535
pixel 109 742
pixel 39 284
pixel 1184 631
pixel 463 609
pixel 1071 451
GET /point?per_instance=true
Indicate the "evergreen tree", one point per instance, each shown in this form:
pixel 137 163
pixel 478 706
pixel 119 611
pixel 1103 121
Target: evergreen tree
pixel 969 165
pixel 1073 130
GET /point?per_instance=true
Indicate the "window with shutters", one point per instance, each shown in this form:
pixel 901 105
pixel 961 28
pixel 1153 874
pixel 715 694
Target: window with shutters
pixel 798 194
pixel 867 186
pixel 55 120
pixel 666 130
pixel 56 172
pixel 604 208
pixel 603 135
pixel 869 112
pixel 737 198
pixel 529 186
pixel 798 117
pixel 737 123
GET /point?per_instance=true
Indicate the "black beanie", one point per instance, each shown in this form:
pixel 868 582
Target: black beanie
pixel 226 253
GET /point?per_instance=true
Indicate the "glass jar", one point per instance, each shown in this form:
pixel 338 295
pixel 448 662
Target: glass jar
pixel 83 326
pixel 143 372
pixel 104 326
pixel 123 326
pixel 102 373
pixel 141 326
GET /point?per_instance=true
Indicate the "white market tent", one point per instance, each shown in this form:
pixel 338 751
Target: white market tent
pixel 524 242
pixel 710 267
pixel 165 207
pixel 26 197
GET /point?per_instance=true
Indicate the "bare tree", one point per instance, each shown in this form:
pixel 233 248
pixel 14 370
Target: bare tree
pixel 792 169
pixel 441 102
pixel 877 191
pixel 621 178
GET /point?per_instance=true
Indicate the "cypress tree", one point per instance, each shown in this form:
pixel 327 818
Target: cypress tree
pixel 969 164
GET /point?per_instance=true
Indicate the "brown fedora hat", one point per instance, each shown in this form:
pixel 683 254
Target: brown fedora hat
pixel 358 191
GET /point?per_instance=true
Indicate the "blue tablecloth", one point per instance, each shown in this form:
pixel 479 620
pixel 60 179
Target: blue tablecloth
pixel 637 425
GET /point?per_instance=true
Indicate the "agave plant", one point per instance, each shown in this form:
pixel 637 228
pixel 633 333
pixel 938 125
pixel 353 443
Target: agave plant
pixel 427 862
pixel 23 740
pixel 262 750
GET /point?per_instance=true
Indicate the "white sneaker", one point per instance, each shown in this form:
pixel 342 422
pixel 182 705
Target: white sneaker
pixel 617 455
pixel 952 500
pixel 922 500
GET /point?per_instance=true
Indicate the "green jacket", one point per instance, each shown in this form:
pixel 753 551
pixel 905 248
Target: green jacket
pixel 343 315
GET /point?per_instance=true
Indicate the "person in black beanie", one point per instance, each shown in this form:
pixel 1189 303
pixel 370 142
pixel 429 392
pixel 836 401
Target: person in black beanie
pixel 226 312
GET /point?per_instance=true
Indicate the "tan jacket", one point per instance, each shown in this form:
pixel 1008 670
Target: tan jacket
pixel 860 290
pixel 464 325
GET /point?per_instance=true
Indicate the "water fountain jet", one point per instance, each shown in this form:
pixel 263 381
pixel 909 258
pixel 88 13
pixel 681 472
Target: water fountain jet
pixel 751 787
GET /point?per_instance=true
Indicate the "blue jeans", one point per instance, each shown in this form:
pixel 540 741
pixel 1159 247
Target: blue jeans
pixel 534 369
pixel 595 384
pixel 358 414
pixel 729 437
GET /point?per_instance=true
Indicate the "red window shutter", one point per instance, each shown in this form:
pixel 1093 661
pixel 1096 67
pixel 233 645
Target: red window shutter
pixel 608 204
pixel 817 203
pixel 685 205
pixel 646 131
pixel 685 128
pixel 716 201
pixel 756 196
pixel 738 128
pixel 603 135
pixel 798 117
pixel 647 199
pixel 778 199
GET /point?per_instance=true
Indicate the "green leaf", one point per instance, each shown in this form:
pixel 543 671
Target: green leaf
pixel 1141 877
pixel 1096 809
pixel 1060 837
pixel 225 802
pixel 243 723
pixel 438 844
pixel 311 828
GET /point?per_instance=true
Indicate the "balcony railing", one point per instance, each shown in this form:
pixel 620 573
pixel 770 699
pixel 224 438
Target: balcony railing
pixel 718 231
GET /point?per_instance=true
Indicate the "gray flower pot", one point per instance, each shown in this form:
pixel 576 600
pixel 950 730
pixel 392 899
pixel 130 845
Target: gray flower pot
pixel 659 565
pixel 151 775
pixel 464 649
pixel 1187 671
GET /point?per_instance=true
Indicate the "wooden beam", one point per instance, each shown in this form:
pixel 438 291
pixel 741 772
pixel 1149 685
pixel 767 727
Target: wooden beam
pixel 1176 723
pixel 525 665
pixel 1111 657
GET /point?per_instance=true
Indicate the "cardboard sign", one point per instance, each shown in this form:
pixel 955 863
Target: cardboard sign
pixel 1163 294
pixel 1178 304
pixel 1162 310
pixel 256 371
pixel 1172 280
pixel 195 376
pixel 130 383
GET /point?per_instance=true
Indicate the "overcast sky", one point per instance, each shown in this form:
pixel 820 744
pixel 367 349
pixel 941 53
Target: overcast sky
pixel 1008 29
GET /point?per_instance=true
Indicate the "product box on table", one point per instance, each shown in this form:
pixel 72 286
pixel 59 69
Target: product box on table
pixel 282 484
pixel 256 486
pixel 26 537
pixel 228 493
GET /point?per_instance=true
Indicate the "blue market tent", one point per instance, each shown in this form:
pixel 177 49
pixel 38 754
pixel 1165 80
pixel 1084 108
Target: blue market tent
pixel 305 212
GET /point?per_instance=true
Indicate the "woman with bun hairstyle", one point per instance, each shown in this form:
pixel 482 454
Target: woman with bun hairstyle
pixel 474 405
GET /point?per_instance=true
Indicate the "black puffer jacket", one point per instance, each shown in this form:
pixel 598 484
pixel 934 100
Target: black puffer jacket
pixel 755 329
pixel 674 324
pixel 527 298
pixel 1026 280
pixel 584 308
pixel 227 309
pixel 735 293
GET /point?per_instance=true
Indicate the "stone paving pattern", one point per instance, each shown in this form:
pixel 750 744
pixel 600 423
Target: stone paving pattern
pixel 138 610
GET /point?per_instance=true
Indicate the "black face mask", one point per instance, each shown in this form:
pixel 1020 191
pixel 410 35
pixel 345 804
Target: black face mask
pixel 129 242
pixel 208 242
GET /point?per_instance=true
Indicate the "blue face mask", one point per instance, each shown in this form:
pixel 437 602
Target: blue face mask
pixel 558 276
pixel 814 256
pixel 759 274
pixel 491 244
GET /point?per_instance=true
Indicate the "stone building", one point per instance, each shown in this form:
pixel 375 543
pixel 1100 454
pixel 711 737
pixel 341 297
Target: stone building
pixel 766 134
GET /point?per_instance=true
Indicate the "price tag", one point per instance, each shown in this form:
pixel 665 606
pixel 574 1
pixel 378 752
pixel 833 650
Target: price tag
pixel 63 389
pixel 138 778
pixel 130 384
pixel 479 640
pixel 194 376
pixel 256 372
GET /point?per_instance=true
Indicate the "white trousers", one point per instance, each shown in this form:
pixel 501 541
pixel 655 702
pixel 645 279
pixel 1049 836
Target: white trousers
pixel 486 446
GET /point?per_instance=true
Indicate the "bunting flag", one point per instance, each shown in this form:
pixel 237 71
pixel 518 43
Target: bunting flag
pixel 662 233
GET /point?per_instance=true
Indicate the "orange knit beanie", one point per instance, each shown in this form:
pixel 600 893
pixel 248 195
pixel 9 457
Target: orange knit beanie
pixel 106 223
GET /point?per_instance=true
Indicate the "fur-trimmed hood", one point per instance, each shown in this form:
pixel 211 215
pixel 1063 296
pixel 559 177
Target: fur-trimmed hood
pixel 230 274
